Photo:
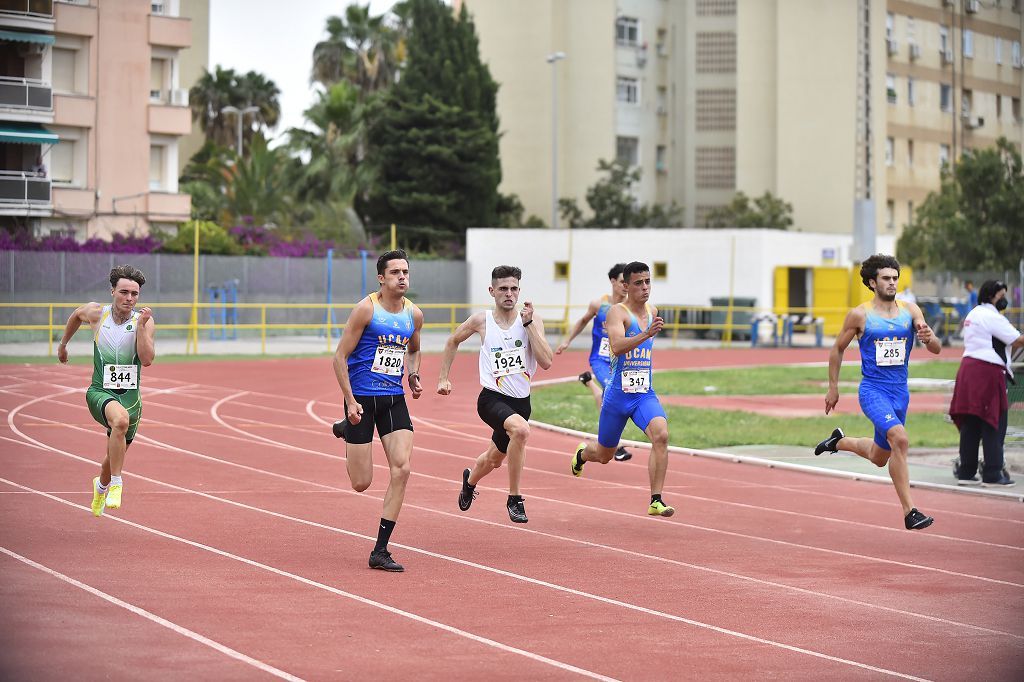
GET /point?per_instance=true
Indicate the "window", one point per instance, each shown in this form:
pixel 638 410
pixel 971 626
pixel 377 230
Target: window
pixel 910 29
pixel 659 161
pixel 910 153
pixel 890 217
pixel 157 83
pixel 945 97
pixel 561 270
pixel 627 150
pixel 63 69
pixel 968 43
pixel 943 38
pixel 999 50
pixel 890 150
pixel 1015 103
pixel 627 90
pixel 660 270
pixel 943 155
pixel 1015 52
pixel 889 25
pixel 627 31
pixel 966 97
pixel 890 88
pixel 999 107
pixel 62 162
pixel 662 45
pixel 911 94
pixel 156 167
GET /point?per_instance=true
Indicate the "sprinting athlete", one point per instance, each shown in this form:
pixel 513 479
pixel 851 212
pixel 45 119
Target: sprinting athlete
pixel 512 345
pixel 600 352
pixel 886 329
pixel 381 340
pixel 123 343
pixel 629 394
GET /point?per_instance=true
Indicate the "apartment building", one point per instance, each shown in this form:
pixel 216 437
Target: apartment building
pixel 710 97
pixel 91 114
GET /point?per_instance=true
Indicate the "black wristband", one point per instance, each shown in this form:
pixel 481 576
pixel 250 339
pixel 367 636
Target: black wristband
pixel 528 322
pixel 413 374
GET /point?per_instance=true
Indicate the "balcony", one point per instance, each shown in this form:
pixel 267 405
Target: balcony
pixel 166 207
pixel 26 93
pixel 24 193
pixel 170 31
pixel 35 15
pixel 169 120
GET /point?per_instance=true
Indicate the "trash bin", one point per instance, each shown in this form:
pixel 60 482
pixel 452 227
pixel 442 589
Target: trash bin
pixel 741 319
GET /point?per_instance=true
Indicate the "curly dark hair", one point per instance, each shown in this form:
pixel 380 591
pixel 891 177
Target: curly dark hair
pixel 126 272
pixel 870 267
pixel 397 254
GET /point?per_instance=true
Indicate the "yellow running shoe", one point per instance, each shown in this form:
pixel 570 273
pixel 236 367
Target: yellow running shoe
pixel 659 508
pixel 114 497
pixel 99 500
pixel 578 470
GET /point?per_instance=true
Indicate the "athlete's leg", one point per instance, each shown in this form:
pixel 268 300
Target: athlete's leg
pixel 118 421
pixel 398 448
pixel 518 431
pixel 866 448
pixel 359 465
pixel 596 391
pixel 657 465
pixel 898 470
pixel 489 460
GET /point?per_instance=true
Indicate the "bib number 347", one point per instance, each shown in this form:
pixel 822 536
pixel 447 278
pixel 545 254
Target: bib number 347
pixel 636 381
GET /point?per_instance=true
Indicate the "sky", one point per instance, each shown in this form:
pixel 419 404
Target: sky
pixel 255 35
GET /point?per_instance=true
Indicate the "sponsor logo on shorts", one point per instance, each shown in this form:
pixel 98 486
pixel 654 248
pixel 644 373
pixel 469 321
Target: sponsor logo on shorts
pixel 889 417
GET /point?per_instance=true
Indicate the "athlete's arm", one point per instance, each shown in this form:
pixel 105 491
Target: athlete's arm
pixel 145 340
pixel 924 333
pixel 618 321
pixel 581 324
pixel 413 355
pixel 354 328
pixel 475 324
pixel 852 326
pixel 90 312
pixel 535 332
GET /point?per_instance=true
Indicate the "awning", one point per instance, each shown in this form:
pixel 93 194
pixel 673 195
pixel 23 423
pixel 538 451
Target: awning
pixel 26 133
pixel 18 36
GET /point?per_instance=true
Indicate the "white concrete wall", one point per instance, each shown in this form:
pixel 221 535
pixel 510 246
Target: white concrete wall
pixel 698 262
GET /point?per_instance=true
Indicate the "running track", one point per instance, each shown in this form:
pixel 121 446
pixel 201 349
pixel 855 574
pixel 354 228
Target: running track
pixel 240 552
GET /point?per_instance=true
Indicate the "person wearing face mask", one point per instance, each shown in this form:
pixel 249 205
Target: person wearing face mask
pixel 979 406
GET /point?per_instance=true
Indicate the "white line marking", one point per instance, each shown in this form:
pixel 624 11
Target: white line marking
pixel 174 627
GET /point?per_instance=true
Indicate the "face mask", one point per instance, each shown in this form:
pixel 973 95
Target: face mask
pixel 1001 304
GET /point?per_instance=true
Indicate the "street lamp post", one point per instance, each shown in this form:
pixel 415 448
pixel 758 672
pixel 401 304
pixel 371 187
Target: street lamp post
pixel 553 60
pixel 239 115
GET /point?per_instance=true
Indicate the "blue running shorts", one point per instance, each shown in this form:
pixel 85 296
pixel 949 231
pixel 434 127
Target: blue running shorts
pixel 885 406
pixel 618 407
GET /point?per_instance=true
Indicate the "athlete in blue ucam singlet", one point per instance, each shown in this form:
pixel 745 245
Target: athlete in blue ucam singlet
pixel 886 329
pixel 380 342
pixel 600 351
pixel 629 394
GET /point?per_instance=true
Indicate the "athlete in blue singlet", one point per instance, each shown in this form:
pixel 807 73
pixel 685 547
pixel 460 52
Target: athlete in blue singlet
pixel 380 342
pixel 600 352
pixel 629 394
pixel 886 329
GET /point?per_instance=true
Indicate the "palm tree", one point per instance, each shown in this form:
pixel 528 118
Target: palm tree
pixel 224 87
pixel 361 49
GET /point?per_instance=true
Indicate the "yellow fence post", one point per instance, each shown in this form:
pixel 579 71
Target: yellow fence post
pixel 263 329
pixel 49 332
pixel 451 322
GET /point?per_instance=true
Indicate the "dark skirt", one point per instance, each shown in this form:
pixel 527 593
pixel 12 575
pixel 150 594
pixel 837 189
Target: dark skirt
pixel 980 390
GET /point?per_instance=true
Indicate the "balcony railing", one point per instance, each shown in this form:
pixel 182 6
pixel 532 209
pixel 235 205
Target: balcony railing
pixel 36 8
pixel 25 92
pixel 24 188
pixel 176 97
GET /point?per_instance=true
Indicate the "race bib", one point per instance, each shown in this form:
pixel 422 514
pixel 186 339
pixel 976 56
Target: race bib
pixel 636 381
pixel 389 360
pixel 120 376
pixel 506 362
pixel 890 352
pixel 605 351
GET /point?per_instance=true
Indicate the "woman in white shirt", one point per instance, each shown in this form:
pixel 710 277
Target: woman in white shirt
pixel 979 406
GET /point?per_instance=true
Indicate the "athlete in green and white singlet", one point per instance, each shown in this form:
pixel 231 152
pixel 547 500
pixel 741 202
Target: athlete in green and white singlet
pixel 116 370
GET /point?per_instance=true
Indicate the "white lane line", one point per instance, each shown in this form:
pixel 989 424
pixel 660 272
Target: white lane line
pixel 333 590
pixel 250 438
pixel 174 627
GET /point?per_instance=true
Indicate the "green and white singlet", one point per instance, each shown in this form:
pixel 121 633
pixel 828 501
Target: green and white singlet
pixel 116 370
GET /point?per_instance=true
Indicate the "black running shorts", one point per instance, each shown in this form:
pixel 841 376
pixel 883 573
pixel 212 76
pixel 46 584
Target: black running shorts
pixel 387 412
pixel 494 408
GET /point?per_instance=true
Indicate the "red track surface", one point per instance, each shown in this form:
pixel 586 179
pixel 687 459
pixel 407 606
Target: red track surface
pixel 240 551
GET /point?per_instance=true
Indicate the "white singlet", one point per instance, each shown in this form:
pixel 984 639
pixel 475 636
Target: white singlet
pixel 506 359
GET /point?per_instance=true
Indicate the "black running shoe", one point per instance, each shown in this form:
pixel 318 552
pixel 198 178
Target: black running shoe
pixel 622 454
pixel 381 559
pixel 468 492
pixel 916 520
pixel 830 444
pixel 339 428
pixel 1004 481
pixel 516 509
pixel 585 378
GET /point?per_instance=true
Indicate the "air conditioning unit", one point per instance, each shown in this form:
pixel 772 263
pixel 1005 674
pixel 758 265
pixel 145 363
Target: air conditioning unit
pixel 972 6
pixel 179 97
pixel 915 51
pixel 662 50
pixel 972 122
pixel 893 45
pixel 947 56
pixel 662 110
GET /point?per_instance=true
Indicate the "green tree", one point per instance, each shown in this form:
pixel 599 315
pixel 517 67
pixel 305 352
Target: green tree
pixel 434 136
pixel 767 211
pixel 364 50
pixel 223 87
pixel 613 205
pixel 213 239
pixel 976 219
